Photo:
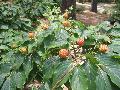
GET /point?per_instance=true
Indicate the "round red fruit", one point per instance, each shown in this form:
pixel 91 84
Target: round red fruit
pixel 80 42
pixel 63 53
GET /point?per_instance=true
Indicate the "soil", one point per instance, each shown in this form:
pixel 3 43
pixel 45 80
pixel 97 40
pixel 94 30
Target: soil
pixel 91 18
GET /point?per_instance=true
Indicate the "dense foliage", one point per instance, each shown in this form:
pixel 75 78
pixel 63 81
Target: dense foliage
pixel 116 12
pixel 61 51
pixel 23 14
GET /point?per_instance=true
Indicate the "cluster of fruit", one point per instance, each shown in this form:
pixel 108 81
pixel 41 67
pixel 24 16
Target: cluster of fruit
pixel 63 53
pixel 66 23
pixel 31 35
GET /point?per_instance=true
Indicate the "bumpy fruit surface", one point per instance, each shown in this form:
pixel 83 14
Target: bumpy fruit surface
pixel 31 35
pixel 80 42
pixel 23 50
pixel 63 53
pixel 44 26
pixel 103 48
pixel 66 15
pixel 66 23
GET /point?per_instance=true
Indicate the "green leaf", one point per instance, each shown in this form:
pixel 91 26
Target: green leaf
pixel 48 42
pixel 116 57
pixel 62 73
pixel 110 66
pixel 77 32
pixel 90 41
pixel 105 59
pixel 79 24
pixel 19 80
pixel 58 40
pixel 9 84
pixel 102 37
pixel 61 38
pixel 2 76
pixel 3 47
pixel 91 71
pixel 114 72
pixel 48 32
pixel 79 80
pixel 91 58
pixel 104 26
pixel 4 27
pixel 5 67
pixel 27 66
pixel 40 39
pixel 8 57
pixel 18 60
pixel 37 59
pixel 11 61
pixel 102 81
pixel 115 32
pixel 115 47
pixel 87 33
pixel 49 66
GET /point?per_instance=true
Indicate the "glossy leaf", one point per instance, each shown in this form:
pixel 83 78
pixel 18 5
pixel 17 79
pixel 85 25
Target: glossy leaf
pixel 91 71
pixel 102 81
pixel 49 66
pixel 2 76
pixel 79 80
pixel 62 73
pixel 20 79
pixel 114 72
pixel 9 84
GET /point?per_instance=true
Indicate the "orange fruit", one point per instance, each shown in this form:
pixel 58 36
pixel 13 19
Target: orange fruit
pixel 66 15
pixel 66 23
pixel 31 35
pixel 63 53
pixel 103 48
pixel 23 50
